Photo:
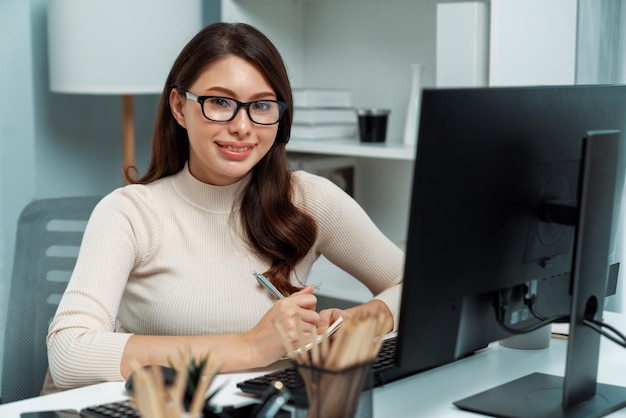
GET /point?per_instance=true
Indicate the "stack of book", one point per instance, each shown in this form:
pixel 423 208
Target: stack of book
pixel 323 113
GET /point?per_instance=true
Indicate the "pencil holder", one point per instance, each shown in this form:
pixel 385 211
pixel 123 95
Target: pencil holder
pixel 337 394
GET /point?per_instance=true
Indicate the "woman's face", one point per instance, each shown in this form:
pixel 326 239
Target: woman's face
pixel 221 153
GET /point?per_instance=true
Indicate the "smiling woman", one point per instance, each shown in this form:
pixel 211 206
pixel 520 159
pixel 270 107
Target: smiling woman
pixel 167 262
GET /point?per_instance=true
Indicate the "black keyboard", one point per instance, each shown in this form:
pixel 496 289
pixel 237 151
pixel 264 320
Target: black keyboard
pixel 294 383
pixel 126 409
pixel 123 409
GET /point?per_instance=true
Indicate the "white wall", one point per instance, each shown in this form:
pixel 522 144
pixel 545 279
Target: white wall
pixel 17 132
pixel 281 21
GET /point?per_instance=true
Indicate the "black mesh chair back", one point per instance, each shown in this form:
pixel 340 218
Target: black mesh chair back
pixel 49 233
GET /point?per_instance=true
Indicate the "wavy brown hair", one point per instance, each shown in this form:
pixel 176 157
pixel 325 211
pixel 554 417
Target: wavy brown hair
pixel 274 227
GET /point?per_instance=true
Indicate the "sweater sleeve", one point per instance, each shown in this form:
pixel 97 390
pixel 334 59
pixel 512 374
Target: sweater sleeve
pixel 351 240
pixel 83 347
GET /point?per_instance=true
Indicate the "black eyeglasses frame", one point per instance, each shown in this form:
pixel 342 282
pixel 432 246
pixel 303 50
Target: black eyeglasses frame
pixel 282 106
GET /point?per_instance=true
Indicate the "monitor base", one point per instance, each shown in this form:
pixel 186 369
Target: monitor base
pixel 540 395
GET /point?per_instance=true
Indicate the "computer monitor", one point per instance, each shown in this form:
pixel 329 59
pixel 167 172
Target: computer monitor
pixel 515 198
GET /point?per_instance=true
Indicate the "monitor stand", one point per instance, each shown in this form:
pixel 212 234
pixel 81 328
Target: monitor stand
pixel 577 394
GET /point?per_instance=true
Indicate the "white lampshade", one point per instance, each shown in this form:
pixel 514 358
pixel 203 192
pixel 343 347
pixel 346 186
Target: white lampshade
pixel 117 46
pixel 122 47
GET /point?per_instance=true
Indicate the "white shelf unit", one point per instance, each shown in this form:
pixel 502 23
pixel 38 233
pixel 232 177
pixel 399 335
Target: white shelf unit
pixel 365 46
pixel 353 148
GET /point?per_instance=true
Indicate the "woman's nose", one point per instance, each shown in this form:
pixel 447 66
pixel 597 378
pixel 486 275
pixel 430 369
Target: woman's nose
pixel 241 122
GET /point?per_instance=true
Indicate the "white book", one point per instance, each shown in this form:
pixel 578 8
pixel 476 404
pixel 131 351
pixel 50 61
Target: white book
pixel 324 131
pixel 323 115
pixel 321 97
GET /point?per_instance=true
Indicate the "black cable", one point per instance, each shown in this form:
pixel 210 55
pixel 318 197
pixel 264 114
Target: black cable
pixel 502 306
pixel 598 327
pixel 543 321
pixel 531 307
pixel 556 318
pixel 536 326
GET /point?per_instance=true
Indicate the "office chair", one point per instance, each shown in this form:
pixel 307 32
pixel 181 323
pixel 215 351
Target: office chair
pixel 49 233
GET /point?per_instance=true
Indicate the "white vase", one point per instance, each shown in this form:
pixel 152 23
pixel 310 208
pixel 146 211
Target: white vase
pixel 413 109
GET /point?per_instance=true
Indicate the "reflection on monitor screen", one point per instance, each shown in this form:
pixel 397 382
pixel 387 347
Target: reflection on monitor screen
pixel 512 214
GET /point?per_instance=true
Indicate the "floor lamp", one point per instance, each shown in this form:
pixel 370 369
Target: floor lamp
pixel 119 47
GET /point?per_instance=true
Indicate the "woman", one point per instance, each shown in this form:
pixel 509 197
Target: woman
pixel 167 262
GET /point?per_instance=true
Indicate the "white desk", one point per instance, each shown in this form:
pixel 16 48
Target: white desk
pixel 101 393
pixel 429 394
pixel 432 393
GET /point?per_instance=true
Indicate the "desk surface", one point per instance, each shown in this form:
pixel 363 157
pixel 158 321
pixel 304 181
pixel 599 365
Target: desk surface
pixel 428 394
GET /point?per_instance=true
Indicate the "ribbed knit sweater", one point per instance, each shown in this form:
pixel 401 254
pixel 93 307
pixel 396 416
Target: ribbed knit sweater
pixel 168 258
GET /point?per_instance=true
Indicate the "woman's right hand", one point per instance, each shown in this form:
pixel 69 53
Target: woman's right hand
pixel 258 347
pixel 295 315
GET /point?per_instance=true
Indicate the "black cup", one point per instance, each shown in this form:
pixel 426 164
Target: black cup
pixel 372 124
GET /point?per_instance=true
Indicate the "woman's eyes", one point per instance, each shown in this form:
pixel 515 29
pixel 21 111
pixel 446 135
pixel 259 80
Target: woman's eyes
pixel 261 106
pixel 221 101
pixel 256 106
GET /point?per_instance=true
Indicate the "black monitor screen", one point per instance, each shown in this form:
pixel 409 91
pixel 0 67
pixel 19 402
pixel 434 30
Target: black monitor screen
pixel 484 258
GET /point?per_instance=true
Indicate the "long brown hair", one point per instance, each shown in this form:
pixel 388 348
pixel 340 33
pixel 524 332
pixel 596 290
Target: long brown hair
pixel 275 229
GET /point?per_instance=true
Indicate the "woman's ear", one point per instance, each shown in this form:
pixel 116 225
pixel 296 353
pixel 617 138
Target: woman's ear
pixel 176 104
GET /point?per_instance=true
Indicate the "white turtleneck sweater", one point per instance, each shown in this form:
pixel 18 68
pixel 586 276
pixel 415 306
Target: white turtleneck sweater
pixel 168 258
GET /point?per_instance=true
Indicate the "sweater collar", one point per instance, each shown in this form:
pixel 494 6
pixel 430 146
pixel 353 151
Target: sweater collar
pixel 219 199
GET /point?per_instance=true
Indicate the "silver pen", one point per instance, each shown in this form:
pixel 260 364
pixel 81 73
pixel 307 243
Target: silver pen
pixel 268 285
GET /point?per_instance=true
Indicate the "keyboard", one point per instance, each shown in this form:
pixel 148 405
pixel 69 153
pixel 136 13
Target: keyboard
pixel 290 377
pixel 126 409
pixel 122 409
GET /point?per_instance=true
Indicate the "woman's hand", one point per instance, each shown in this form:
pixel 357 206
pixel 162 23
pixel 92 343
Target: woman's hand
pixel 295 315
pixel 328 316
pixel 375 306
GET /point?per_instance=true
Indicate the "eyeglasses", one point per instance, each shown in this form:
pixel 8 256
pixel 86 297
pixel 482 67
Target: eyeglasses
pixel 224 109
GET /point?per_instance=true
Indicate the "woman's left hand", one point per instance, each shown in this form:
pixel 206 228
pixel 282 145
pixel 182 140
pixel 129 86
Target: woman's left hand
pixel 328 316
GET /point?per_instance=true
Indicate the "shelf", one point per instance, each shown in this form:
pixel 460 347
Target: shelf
pixel 352 148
